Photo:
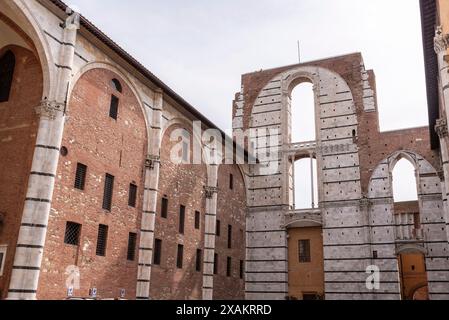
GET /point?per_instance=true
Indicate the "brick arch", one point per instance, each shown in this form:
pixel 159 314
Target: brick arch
pixel 123 77
pixel 19 17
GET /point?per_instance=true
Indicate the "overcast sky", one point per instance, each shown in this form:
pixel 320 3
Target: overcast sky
pixel 201 48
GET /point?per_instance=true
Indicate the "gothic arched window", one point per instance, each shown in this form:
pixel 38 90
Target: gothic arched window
pixel 7 65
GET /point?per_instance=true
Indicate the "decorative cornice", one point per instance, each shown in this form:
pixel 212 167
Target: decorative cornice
pixel 441 128
pixel 50 109
pixel 151 160
pixel 441 40
pixel 210 191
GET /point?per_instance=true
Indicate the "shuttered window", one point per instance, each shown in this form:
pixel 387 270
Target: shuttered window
pixel 108 190
pixel 102 240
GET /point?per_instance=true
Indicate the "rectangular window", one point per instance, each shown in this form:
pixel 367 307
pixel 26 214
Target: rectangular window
pixel 132 240
pixel 228 267
pixel 182 218
pixel 375 255
pixel 102 240
pixel 113 110
pixel 80 176
pixel 180 256
pixel 217 228
pixel 231 181
pixel 164 208
pixel 215 263
pixel 108 189
pixel 157 252
pixel 197 219
pixel 198 259
pixel 185 152
pixel 72 233
pixel 304 251
pixel 132 195
pixel 242 270
pixel 2 258
pixel 229 236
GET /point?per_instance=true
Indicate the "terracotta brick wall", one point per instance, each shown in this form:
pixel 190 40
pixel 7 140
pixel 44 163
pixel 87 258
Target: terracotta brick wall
pixel 181 185
pixel 105 145
pixel 18 127
pixel 231 210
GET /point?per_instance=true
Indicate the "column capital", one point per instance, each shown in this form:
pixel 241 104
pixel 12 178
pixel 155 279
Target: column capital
pixel 441 40
pixel 441 128
pixel 210 191
pixel 151 160
pixel 50 109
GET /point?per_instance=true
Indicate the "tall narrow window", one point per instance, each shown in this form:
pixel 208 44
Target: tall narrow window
pixel 7 65
pixel 215 263
pixel 303 113
pixel 72 233
pixel 157 252
pixel 80 176
pixel 2 258
pixel 182 218
pixel 108 190
pixel 197 220
pixel 404 182
pixel 228 267
pixel 113 109
pixel 241 269
pixel 198 259
pixel 180 256
pixel 132 195
pixel 185 146
pixel 304 251
pixel 231 181
pixel 218 227
pixel 164 208
pixel 102 240
pixel 132 240
pixel 229 236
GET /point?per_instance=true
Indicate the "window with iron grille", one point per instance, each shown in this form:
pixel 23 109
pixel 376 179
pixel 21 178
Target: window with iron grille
pixel 228 267
pixel 180 256
pixel 241 269
pixel 197 219
pixel 304 250
pixel 80 176
pixel 7 66
pixel 217 228
pixel 102 240
pixel 132 240
pixel 182 217
pixel 231 181
pixel 108 189
pixel 113 110
pixel 229 236
pixel 215 263
pixel 164 208
pixel 72 233
pixel 198 259
pixel 157 252
pixel 132 195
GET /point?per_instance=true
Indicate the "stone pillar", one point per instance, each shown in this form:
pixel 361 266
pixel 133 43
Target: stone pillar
pixel 441 49
pixel 33 229
pixel 152 169
pixel 209 231
pixel 441 129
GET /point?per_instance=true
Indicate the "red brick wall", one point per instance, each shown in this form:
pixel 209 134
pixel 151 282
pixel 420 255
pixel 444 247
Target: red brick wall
pixel 105 145
pixel 181 185
pixel 231 210
pixel 18 127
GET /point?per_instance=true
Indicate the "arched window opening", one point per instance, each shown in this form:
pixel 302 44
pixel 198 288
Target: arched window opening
pixel 404 182
pixel 7 65
pixel 305 184
pixel 116 85
pixel 303 113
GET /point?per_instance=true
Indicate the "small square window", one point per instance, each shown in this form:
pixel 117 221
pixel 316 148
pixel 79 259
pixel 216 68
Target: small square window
pixel 72 233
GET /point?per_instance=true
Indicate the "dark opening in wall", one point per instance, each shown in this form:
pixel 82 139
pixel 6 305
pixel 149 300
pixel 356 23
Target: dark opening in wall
pixel 7 66
pixel 72 233
pixel 132 239
pixel 157 252
pixel 102 240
